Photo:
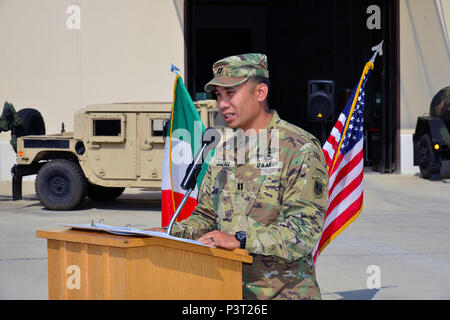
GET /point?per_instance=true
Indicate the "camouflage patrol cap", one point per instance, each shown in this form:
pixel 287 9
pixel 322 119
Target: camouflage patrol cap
pixel 235 70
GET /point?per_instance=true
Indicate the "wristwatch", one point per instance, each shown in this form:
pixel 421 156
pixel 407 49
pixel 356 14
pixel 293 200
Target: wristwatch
pixel 241 236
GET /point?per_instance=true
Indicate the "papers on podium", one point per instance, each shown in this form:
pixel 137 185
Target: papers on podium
pixel 128 232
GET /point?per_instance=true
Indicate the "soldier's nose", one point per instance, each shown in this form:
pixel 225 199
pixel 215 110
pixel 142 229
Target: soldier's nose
pixel 224 105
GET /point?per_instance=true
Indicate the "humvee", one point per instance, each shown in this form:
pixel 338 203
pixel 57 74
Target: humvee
pixel 112 147
pixel 432 138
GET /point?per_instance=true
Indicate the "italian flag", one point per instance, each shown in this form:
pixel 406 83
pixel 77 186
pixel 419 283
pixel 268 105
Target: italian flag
pixel 182 142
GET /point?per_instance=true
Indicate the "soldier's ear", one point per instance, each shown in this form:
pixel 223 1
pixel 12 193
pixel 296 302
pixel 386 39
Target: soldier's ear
pixel 261 92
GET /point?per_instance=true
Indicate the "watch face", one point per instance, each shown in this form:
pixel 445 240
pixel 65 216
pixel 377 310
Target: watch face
pixel 240 235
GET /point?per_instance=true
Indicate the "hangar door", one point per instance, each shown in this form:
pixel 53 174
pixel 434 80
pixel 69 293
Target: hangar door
pixel 306 40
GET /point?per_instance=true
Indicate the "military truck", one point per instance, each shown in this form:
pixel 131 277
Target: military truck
pixel 112 147
pixel 432 138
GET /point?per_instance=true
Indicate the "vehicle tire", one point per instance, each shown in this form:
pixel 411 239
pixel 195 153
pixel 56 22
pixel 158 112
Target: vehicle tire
pixel 61 185
pixel 32 123
pixel 100 193
pixel 429 162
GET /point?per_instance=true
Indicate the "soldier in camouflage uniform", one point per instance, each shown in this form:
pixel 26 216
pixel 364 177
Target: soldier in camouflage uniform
pixel 277 201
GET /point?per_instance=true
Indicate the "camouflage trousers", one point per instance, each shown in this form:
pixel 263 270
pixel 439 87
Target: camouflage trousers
pixel 272 278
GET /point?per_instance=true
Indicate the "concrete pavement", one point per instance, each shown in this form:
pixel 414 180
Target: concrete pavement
pixel 403 230
pixel 398 248
pixel 23 257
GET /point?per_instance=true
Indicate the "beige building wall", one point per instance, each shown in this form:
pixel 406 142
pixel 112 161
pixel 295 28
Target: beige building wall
pixel 123 49
pixel 57 61
pixel 424 65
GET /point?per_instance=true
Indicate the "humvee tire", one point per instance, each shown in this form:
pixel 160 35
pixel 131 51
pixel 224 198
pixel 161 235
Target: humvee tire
pixel 429 164
pixel 61 185
pixel 100 193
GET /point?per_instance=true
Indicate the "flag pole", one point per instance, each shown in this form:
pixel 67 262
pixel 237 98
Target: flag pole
pixel 369 65
pixel 170 137
pixel 175 70
pixel 336 228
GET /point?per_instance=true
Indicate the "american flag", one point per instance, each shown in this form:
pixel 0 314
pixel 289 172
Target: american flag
pixel 345 167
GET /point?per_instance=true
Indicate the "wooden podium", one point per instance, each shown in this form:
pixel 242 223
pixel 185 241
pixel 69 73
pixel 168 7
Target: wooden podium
pixel 99 265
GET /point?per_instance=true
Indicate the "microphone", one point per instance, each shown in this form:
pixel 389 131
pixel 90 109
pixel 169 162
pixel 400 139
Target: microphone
pixel 210 139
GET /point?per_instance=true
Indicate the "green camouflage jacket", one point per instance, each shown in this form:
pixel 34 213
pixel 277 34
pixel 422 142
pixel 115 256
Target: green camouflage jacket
pixel 280 203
